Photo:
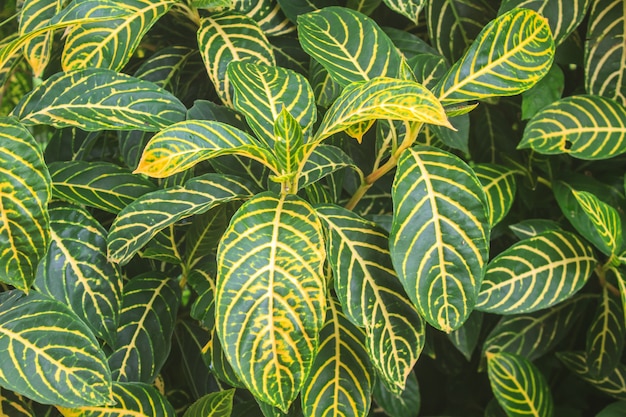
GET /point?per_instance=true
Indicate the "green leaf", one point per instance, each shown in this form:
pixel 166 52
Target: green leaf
pixel 215 404
pixel 500 186
pixel 101 185
pixel 270 298
pixel 203 236
pixel 112 43
pixel 230 36
pixel 371 295
pixel 381 98
pixel 536 273
pixel 323 161
pixel 519 386
pixel 428 68
pixel 288 141
pixel 408 8
pixel 268 15
pixel 262 92
pixel 617 409
pixel 144 336
pixel 15 405
pixel 361 53
pixel 341 379
pixel 34 15
pixel 615 274
pixel 132 229
pixel 41 337
pixel 76 271
pixel 439 238
pixel 184 144
pixel 547 90
pixel 325 89
pixel 26 191
pixel 605 53
pixel 533 227
pixel 613 385
pixel 131 399
pixel 465 338
pixel 191 338
pixel 523 55
pixel 585 127
pixel 407 404
pixel 99 99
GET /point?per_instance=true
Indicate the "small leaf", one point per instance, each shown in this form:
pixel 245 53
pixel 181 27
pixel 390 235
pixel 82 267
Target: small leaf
pixel 215 404
pixel 34 15
pixel 407 8
pixel 288 142
pixel 533 227
pixel 613 385
pixel 499 185
pixel 323 161
pixel 15 405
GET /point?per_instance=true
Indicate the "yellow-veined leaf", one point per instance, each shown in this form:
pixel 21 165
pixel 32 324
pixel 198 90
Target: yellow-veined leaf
pixel 15 405
pixel 34 15
pixel 215 404
pixel 407 8
pixel 499 184
pixel 614 384
pixel 407 404
pixel 267 14
pixel 323 161
pixel 271 295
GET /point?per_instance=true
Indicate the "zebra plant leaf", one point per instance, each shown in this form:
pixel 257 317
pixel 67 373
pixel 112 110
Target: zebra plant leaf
pixel 102 185
pixel 605 54
pixel 519 387
pixel 500 186
pixel 614 384
pixel 381 98
pixel 230 36
pixel 261 92
pixel 40 337
pixel 347 54
pixel 323 161
pixel 184 144
pixel 270 298
pixel 585 127
pixel 439 239
pixel 518 42
pixel 536 273
pixel 15 405
pixel 215 404
pixel 371 295
pixel 34 15
pixel 144 336
pixel 268 14
pixel 130 399
pixel 131 230
pixel 465 338
pixel 342 377
pixel 114 101
pixel 76 271
pixel 26 191
pixel 111 44
pixel 407 8
pixel 407 404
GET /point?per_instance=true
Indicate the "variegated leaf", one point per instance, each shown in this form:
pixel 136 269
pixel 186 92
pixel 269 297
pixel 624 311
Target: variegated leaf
pixel 130 399
pixel 215 404
pixel 408 8
pixel 15 405
pixel 536 273
pixel 533 227
pixel 605 53
pixel 371 295
pixel 144 336
pixel 267 14
pixel 203 236
pixel 261 92
pixel 519 42
pixel 465 338
pixel 519 386
pixel 440 235
pixel 26 191
pixel 34 15
pixel 294 8
pixel 99 99
pixel 407 404
pixel 184 144
pixel 323 161
pixel 347 54
pixel 270 299
pixel 341 379
pixel 500 186
pixel 132 229
pixel 613 384
pixel 382 98
pixel 41 337
pixel 288 149
pixel 230 36
pixel 101 185
pixel 325 89
pixel 586 127
pixel 618 275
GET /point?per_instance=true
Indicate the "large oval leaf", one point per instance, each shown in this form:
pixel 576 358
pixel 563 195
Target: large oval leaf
pixel 536 273
pixel 34 15
pixel 26 191
pixel 509 56
pixel 271 291
pixel 49 354
pixel 440 234
pixel 586 127
pixel 99 99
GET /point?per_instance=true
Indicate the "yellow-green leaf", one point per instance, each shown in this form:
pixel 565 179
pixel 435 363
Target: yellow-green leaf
pixel 215 404
pixel 34 15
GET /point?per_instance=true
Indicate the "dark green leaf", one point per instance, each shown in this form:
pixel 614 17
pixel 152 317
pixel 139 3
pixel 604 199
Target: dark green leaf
pixel 215 404
pixel 614 384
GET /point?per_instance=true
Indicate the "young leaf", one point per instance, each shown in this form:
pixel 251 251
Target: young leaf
pixel 440 238
pixel 34 15
pixel 509 56
pixel 99 99
pixel 614 384
pixel 536 273
pixel 288 141
pixel 499 184
pixel 40 337
pixel 519 386
pixel 26 191
pixel 270 298
pixel 215 404
pixel 408 8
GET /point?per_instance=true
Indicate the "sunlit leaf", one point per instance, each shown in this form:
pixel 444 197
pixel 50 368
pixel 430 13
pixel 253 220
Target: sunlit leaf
pixel 34 15
pixel 408 8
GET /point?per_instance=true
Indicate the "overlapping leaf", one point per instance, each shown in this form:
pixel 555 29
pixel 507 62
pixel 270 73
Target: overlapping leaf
pixel 341 379
pixel 133 228
pixel 40 337
pixel 99 99
pixel 149 309
pixel 536 273
pixel 359 53
pixel 323 161
pixel 15 405
pixel 26 191
pixel 585 126
pixel 270 299
pixel 613 384
pixel 325 89
pixel 215 404
pixel 267 14
pixel 190 338
pixel 34 15
pixel 229 36
pixel 499 184
pixel 465 338
pixel 407 404
pixel 184 144
pixel 509 56
pixel 439 238
pixel 408 8
pixel 371 295
pixel 533 227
